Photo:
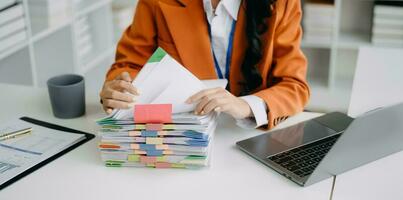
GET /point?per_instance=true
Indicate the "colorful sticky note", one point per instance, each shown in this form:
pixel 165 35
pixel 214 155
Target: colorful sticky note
pixel 149 133
pixel 153 113
pixel 148 159
pixel 161 147
pixel 134 133
pixel 147 147
pixel 154 127
pixel 140 152
pixel 161 159
pixel 152 140
pixel 177 165
pixel 108 146
pixel 154 152
pixel 133 158
pixel 167 152
pixel 162 165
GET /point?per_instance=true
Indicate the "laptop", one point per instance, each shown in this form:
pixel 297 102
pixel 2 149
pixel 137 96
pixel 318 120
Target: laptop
pixel 320 148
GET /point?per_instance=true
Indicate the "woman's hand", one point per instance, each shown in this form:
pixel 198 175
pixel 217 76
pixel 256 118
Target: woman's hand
pixel 113 94
pixel 220 100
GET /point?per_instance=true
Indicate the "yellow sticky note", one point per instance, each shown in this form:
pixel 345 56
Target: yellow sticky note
pixel 152 140
pixel 140 126
pixel 176 165
pixel 161 159
pixel 169 127
pixel 133 158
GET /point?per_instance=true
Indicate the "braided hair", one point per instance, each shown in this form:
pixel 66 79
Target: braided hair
pixel 257 13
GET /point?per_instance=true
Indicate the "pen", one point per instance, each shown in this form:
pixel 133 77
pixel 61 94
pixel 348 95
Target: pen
pixel 14 134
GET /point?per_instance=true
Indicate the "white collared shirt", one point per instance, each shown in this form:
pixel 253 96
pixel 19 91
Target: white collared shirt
pixel 221 20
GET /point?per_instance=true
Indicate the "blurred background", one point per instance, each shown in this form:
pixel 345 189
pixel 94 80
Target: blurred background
pixel 43 38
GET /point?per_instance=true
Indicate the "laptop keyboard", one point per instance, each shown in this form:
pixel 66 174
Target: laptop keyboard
pixel 303 160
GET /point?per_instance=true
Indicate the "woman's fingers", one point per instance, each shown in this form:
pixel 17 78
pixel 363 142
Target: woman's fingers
pixel 122 85
pixel 200 108
pixel 125 76
pixel 215 104
pixel 120 96
pixel 119 93
pixel 111 103
pixel 198 96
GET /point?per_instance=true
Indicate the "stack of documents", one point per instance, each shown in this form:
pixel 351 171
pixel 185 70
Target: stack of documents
pixel 12 24
pixel 160 131
pixel 387 29
pixel 48 13
pixel 184 143
pixel 318 20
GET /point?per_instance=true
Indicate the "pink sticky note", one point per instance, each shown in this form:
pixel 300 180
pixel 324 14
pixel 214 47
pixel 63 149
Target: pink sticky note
pixel 153 113
pixel 154 127
pixel 148 159
pixel 162 165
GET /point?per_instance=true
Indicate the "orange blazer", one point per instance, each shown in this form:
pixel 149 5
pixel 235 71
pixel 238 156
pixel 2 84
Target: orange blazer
pixel 180 27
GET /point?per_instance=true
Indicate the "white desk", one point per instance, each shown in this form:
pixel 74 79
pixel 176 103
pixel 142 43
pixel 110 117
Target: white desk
pixel 81 175
pixel 382 179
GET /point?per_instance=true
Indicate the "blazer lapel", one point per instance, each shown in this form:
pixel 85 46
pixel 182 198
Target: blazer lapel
pixel 189 30
pixel 238 52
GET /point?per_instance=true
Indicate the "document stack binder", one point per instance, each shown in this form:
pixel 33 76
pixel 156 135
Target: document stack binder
pixel 157 138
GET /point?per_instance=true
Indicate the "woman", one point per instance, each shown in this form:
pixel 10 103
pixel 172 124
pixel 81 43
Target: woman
pixel 253 43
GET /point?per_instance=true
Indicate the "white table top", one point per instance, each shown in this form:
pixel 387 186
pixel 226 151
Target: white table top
pixel 381 179
pixel 80 174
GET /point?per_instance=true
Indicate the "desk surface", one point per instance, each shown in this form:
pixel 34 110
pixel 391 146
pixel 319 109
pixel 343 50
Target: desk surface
pixel 381 179
pixel 80 174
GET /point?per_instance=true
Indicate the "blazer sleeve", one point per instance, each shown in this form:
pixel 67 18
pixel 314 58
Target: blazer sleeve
pixel 288 90
pixel 137 43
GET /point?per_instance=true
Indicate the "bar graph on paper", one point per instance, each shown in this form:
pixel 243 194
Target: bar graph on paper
pixel 6 166
pixel 20 152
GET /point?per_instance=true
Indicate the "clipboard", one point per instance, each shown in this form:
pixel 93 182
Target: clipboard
pixel 87 137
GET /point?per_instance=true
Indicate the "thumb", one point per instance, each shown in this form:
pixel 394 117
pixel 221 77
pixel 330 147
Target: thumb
pixel 126 77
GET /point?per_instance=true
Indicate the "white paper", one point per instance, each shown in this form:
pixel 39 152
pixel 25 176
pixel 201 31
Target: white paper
pixel 167 82
pixel 378 80
pixel 24 152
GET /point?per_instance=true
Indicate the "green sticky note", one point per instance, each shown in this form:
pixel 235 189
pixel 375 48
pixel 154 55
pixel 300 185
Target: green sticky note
pixel 177 165
pixel 157 55
pixel 195 157
pixel 133 158
pixel 111 163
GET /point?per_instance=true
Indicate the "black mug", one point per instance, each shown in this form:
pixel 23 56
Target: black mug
pixel 67 95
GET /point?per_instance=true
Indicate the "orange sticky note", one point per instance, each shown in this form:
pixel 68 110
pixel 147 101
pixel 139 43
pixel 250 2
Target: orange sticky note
pixel 134 146
pixel 153 113
pixel 152 140
pixel 134 133
pixel 109 146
